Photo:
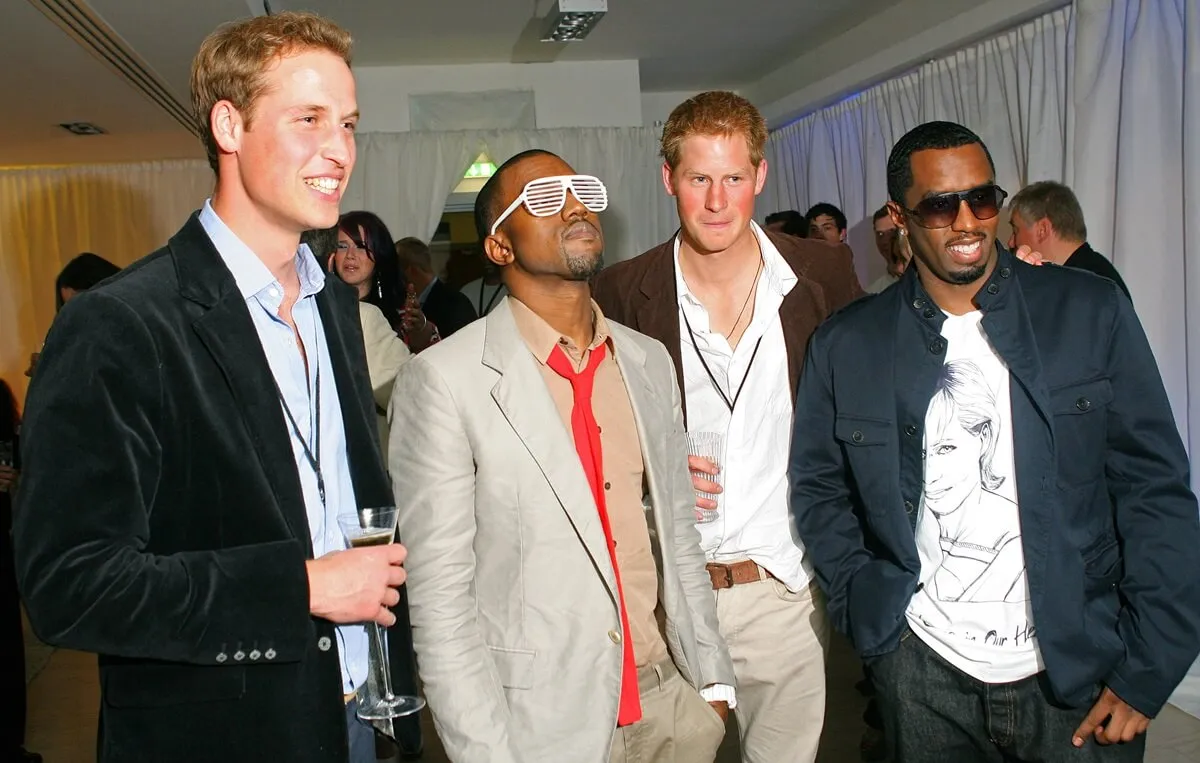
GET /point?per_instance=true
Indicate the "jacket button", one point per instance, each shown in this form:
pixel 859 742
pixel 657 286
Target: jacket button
pixel 255 654
pixel 993 289
pixel 910 430
pixel 1083 404
pixel 239 655
pixel 918 303
pixel 269 654
pixel 1005 272
pixel 324 643
pixel 929 312
pixel 908 507
pixel 857 436
pixel 937 346
pixel 222 657
pixel 614 637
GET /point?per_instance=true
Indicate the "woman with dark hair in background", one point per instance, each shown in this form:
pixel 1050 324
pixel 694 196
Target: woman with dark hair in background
pixel 12 636
pixel 366 259
pixel 80 274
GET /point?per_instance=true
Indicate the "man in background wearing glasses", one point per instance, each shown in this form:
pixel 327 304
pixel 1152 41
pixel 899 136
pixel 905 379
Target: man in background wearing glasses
pixel 1000 514
pixel 537 455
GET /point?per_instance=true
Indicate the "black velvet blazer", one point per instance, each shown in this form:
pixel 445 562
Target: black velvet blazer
pixel 161 522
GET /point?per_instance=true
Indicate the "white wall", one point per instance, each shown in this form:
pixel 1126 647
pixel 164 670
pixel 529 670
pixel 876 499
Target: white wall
pixel 656 107
pixel 567 94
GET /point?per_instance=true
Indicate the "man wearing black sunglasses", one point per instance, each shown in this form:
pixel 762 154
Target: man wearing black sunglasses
pixel 1000 516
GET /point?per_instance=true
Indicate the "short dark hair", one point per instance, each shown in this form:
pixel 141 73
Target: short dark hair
pixel 880 213
pixel 488 201
pixel 794 223
pixel 931 135
pixel 82 273
pixel 1054 202
pixel 825 208
pixel 413 251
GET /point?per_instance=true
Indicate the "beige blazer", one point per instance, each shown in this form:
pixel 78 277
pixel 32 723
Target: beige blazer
pixel 513 601
pixel 386 352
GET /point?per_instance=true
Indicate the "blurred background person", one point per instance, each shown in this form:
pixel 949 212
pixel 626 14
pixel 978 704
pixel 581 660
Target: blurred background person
pixel 892 245
pixel 449 310
pixel 485 293
pixel 788 221
pixel 364 257
pixel 827 222
pixel 12 633
pixel 80 274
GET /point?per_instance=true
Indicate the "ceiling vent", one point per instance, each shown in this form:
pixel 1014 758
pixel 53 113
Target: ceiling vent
pixel 83 128
pixel 84 25
pixel 573 20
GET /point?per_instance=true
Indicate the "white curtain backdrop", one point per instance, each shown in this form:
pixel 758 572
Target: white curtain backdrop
pixel 1134 161
pixel 50 214
pixel 406 177
pixel 1010 89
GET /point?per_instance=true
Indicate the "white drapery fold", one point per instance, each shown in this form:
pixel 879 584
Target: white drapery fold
pixel 1010 89
pixel 50 214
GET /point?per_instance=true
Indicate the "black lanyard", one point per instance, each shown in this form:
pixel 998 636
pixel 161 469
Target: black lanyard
pixel 695 346
pixel 485 310
pixel 314 461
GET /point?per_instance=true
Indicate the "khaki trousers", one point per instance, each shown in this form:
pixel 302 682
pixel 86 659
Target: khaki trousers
pixel 677 725
pixel 778 641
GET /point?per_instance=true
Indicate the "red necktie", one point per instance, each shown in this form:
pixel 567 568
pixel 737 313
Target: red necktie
pixel 587 444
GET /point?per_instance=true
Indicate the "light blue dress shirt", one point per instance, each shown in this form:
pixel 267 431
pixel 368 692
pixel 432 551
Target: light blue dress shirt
pixel 263 295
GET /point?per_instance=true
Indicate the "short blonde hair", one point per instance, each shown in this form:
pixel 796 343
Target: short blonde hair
pixel 716 112
pixel 233 59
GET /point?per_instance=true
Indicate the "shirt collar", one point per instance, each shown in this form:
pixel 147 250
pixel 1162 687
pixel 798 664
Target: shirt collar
pixel 424 295
pixel 249 272
pixel 780 275
pixel 541 338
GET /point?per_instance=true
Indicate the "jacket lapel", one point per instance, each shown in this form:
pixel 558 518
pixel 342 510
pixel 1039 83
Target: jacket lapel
pixel 521 396
pixel 227 331
pixel 347 353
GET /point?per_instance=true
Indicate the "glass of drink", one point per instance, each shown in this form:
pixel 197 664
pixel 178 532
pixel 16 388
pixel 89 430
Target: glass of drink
pixel 709 445
pixel 376 701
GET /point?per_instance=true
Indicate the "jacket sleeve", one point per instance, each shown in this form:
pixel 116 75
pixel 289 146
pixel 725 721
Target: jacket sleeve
pixel 1157 522
pixel 715 667
pixel 386 352
pixel 821 499
pixel 433 473
pixel 95 441
pixel 841 281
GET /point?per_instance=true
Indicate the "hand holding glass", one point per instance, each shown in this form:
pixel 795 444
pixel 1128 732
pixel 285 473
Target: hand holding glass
pixel 710 446
pixel 377 527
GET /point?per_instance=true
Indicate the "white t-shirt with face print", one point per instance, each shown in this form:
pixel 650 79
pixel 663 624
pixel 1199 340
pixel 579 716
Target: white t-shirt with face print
pixel 973 605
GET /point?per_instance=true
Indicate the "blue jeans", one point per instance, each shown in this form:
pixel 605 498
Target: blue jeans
pixel 935 713
pixel 362 736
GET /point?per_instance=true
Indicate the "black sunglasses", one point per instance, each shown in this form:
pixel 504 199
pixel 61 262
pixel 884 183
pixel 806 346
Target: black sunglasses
pixel 942 210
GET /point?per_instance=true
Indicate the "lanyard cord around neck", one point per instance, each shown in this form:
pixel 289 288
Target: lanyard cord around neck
pixel 730 404
pixel 313 459
pixel 482 309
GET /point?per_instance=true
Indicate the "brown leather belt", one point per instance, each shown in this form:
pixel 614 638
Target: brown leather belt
pixel 738 573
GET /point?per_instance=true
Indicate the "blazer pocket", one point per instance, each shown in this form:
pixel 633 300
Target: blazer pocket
pixel 1080 429
pixel 515 666
pixel 134 686
pixel 861 432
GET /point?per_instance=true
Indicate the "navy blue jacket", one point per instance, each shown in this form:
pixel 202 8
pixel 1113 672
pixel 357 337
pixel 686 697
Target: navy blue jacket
pixel 1110 528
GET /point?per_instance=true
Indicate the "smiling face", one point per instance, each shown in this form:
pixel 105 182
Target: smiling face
pixel 352 262
pixel 568 245
pixel 714 185
pixel 289 157
pixel 951 466
pixel 964 252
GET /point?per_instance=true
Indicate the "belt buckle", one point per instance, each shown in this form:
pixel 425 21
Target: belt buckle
pixel 728 569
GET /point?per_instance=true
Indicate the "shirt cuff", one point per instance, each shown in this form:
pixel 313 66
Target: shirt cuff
pixel 720 693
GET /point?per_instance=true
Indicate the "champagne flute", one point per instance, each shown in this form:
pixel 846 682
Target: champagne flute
pixel 376 701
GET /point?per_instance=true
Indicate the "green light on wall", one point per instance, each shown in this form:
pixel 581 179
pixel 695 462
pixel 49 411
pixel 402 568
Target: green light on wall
pixel 484 169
